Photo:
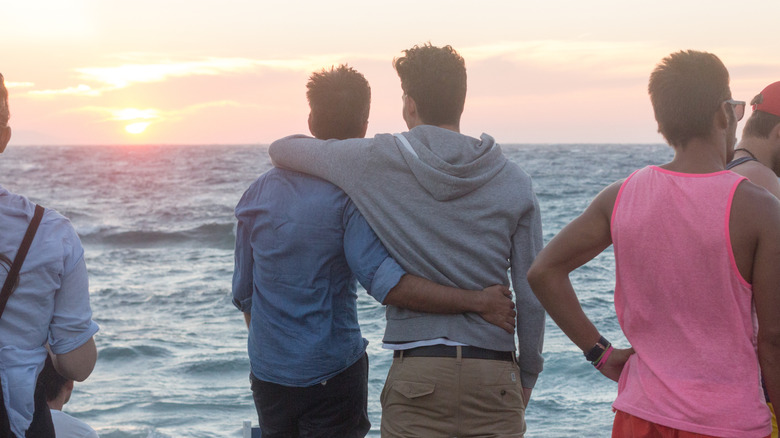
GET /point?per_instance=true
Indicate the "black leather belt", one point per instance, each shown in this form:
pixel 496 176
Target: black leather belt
pixel 451 351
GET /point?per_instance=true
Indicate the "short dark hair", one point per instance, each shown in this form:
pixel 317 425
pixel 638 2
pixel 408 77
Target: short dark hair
pixel 339 99
pixel 51 380
pixel 5 114
pixel 760 123
pixel 435 78
pixel 686 89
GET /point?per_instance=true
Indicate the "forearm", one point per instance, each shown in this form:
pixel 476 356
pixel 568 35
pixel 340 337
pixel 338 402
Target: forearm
pixel 421 295
pixel 77 364
pixel 337 161
pixel 554 290
pixel 769 358
pixel 247 319
pixel 296 152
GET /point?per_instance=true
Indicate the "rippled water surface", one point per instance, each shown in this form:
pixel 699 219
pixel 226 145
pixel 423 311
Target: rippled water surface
pixel 158 228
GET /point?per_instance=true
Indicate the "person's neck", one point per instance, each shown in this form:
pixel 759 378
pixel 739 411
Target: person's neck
pixel 455 128
pixel 451 127
pixel 761 150
pixel 56 404
pixel 699 156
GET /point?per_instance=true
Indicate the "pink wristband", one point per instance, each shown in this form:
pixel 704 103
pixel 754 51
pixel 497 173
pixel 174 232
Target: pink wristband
pixel 604 358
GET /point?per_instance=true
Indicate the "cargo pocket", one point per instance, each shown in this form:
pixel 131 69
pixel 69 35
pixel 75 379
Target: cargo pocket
pixel 409 407
pixel 413 390
pixel 404 392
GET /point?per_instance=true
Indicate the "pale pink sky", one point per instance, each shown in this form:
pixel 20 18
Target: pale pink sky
pixel 234 72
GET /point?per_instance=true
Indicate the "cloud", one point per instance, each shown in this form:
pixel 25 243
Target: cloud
pixel 123 75
pixel 19 84
pixel 79 90
pixel 110 114
pixel 581 54
pixel 126 74
pixel 136 68
pixel 135 114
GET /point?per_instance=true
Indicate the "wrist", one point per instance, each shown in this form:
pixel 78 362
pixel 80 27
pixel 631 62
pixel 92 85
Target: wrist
pixel 478 301
pixel 596 353
pixel 599 364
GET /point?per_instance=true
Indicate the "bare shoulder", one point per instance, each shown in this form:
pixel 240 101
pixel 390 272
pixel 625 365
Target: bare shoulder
pixel 604 202
pixel 760 175
pixel 753 205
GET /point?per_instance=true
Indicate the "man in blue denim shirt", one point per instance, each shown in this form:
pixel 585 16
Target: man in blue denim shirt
pixel 300 245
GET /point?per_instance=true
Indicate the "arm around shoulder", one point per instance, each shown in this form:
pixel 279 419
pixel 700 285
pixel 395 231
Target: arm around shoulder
pixel 337 161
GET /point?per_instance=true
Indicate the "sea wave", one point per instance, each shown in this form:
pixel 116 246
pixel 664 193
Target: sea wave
pixel 124 353
pixel 211 235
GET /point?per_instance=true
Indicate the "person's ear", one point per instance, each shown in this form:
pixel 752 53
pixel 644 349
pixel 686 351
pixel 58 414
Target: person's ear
pixel 410 106
pixel 411 116
pixel 774 134
pixel 311 128
pixel 722 116
pixel 5 137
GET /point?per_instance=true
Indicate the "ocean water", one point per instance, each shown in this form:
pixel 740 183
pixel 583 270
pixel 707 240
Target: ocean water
pixel 158 229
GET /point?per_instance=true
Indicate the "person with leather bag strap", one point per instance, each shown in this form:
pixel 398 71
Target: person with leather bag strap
pixel 49 311
pixel 41 425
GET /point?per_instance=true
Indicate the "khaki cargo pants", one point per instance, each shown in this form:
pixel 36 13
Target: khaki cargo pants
pixel 432 397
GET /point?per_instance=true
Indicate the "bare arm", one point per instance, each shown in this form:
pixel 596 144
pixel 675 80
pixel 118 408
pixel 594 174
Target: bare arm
pixel 77 364
pixel 247 318
pixel 766 289
pixel 494 303
pixel 579 242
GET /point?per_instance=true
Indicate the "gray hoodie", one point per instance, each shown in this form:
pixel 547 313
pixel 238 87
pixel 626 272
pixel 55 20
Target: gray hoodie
pixel 453 210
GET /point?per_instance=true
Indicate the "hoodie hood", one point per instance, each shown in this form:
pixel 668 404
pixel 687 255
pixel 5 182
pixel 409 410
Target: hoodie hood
pixel 448 164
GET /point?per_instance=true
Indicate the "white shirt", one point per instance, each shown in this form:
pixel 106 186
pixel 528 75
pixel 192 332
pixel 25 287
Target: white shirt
pixel 66 426
pixel 51 303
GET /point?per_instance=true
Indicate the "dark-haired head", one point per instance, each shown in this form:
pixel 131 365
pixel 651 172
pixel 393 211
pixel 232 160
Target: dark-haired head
pixel 435 78
pixel 686 89
pixel 339 100
pixel 51 380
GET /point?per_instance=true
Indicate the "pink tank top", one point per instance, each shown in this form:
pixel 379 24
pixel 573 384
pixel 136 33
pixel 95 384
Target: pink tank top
pixel 684 306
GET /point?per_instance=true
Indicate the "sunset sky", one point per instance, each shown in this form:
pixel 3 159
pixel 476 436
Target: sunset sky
pixel 234 72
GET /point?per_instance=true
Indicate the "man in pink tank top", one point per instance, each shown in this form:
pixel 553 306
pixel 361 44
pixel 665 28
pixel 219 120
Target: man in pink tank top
pixel 696 255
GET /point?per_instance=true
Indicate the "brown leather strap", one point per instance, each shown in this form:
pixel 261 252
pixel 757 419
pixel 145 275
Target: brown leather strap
pixel 16 266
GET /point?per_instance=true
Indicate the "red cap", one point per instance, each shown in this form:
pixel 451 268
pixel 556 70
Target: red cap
pixel 769 100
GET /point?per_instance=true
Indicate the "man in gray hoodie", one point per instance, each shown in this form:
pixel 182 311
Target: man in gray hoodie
pixel 455 210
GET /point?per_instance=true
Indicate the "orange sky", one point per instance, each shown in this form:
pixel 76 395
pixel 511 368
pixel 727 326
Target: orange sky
pixel 228 72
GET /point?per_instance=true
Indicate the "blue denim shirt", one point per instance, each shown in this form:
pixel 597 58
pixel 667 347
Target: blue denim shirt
pixel 300 246
pixel 50 304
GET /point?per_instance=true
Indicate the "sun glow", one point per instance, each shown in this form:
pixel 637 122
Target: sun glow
pixel 134 113
pixel 137 128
